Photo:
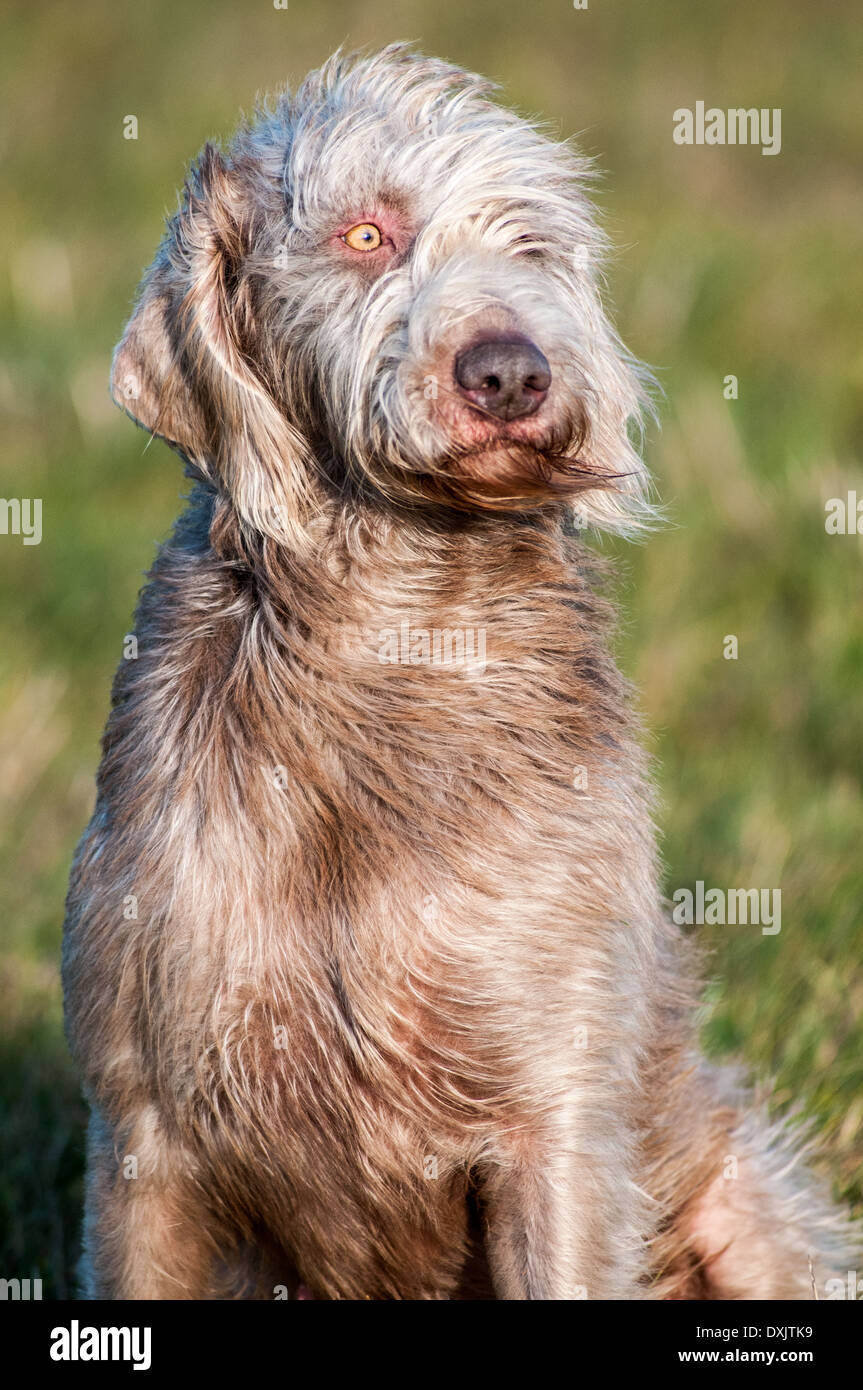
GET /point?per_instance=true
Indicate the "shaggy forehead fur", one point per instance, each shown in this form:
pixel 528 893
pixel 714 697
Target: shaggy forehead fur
pixel 489 229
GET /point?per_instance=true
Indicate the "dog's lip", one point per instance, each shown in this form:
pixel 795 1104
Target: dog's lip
pixel 542 447
pixel 505 426
pixel 528 430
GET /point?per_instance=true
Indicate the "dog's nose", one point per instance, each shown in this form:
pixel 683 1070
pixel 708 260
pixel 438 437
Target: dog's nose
pixel 506 377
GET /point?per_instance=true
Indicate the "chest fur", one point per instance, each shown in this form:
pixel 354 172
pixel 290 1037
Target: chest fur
pixel 402 813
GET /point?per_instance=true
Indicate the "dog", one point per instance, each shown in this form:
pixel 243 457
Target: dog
pixel 366 964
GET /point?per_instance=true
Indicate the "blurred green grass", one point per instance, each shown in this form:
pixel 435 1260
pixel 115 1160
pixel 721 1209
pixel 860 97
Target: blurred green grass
pixel 727 262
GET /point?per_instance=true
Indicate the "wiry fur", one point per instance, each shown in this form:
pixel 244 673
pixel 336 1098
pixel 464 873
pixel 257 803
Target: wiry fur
pixel 377 998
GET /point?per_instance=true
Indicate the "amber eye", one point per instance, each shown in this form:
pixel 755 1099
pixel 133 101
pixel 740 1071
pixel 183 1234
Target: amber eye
pixel 364 237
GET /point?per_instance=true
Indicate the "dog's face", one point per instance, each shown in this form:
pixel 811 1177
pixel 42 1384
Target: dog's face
pixel 388 278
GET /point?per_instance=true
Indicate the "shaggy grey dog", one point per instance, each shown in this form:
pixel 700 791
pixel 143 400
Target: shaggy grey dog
pixel 365 966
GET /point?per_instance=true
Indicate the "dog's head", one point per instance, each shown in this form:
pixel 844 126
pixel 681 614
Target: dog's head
pixel 387 279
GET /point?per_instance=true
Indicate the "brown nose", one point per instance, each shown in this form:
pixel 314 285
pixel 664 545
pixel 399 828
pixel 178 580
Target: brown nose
pixel 506 377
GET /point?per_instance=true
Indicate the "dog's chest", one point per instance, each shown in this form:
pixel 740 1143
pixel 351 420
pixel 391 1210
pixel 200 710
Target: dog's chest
pixel 406 829
pixel 456 779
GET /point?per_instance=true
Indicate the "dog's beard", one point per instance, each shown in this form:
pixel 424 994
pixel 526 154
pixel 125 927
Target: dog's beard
pixel 506 473
pixel 495 473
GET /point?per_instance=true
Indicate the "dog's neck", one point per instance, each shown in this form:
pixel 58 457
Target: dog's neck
pixel 404 563
pixel 468 596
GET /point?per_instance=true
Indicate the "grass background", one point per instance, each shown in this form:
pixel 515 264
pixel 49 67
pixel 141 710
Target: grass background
pixel 727 262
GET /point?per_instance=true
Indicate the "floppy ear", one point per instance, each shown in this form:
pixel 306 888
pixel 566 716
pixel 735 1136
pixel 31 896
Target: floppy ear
pixel 150 381
pixel 180 370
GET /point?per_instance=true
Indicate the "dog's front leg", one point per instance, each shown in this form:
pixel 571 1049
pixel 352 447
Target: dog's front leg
pixel 563 1223
pixel 144 1230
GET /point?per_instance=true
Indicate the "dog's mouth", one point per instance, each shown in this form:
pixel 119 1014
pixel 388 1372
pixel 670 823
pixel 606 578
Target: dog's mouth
pixel 514 469
pixel 510 472
pixel 494 460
